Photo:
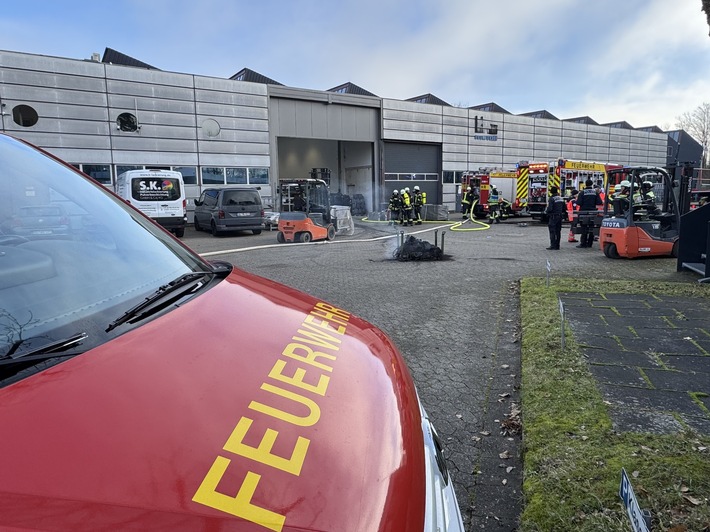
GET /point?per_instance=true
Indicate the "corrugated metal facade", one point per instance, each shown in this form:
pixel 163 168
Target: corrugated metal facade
pixel 471 139
pixel 198 122
pixel 78 103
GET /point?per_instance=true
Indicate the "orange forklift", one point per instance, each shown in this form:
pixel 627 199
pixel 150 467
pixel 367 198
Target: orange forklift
pixel 641 214
pixel 304 211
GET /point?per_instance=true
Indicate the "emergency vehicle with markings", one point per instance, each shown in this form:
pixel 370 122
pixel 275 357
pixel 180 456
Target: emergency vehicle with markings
pixel 536 177
pixel 144 387
pixel 573 176
pixel 482 181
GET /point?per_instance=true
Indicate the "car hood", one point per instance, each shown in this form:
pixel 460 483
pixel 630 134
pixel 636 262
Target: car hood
pixel 252 406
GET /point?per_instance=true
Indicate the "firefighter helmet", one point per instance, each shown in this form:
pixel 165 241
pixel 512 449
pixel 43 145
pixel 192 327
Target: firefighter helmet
pixel 468 189
pixel 416 187
pixel 647 185
pixel 625 183
pixel 395 192
pixel 406 189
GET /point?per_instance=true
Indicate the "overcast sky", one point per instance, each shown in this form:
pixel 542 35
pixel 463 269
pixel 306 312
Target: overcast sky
pixel 642 61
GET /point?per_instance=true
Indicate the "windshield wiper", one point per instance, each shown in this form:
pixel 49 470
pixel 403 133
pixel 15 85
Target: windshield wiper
pixel 44 351
pixel 141 310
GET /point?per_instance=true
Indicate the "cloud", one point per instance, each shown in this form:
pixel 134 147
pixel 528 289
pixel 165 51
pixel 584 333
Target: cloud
pixel 643 61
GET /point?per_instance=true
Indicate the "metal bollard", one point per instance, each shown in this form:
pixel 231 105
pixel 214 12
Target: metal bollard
pixel 436 236
pixel 442 241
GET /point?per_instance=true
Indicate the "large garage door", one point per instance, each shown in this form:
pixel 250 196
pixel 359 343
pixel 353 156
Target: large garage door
pixel 409 164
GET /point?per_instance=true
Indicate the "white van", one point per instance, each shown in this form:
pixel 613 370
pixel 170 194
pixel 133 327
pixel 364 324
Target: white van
pixel 159 194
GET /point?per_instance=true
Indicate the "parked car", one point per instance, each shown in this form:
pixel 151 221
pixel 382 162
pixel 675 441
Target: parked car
pixel 143 387
pixel 222 210
pixel 39 221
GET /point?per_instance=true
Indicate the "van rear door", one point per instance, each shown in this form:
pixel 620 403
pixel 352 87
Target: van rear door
pixel 157 195
pixel 241 207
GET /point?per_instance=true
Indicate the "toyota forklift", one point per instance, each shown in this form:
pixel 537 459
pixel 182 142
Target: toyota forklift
pixel 641 214
pixel 304 211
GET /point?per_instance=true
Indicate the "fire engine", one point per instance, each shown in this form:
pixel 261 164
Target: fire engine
pixel 573 174
pixel 573 177
pixel 480 183
pixel 539 179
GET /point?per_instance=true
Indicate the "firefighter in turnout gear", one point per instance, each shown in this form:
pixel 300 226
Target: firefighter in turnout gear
pixel 622 191
pixel 467 202
pixel 419 199
pixel 395 207
pixel 555 211
pixel 406 207
pixel 648 198
pixel 587 199
pixel 647 191
pixel 494 205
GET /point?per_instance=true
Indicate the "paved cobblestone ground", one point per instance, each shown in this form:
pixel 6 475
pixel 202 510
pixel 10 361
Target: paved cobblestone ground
pixel 456 322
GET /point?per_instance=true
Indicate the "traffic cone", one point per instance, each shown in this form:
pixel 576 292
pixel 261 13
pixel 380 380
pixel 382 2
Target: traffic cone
pixel 570 237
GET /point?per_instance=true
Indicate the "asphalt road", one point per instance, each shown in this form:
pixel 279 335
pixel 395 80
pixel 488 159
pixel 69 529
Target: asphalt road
pixel 456 321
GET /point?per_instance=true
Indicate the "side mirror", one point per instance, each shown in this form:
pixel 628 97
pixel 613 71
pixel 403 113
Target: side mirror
pixel 197 203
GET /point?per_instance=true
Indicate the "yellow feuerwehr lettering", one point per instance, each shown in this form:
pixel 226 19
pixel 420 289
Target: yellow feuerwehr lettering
pixel 313 329
pixel 324 324
pixel 309 356
pixel 240 505
pixel 302 421
pixel 325 315
pixel 262 453
pixel 317 336
pixel 335 310
pixel 296 379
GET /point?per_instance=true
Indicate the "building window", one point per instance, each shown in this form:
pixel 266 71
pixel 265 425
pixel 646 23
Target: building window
pixel 411 177
pixel 212 176
pixel 236 176
pixel 122 168
pixel 189 174
pixel 211 127
pixel 127 122
pixel 24 115
pixel 100 172
pixel 258 176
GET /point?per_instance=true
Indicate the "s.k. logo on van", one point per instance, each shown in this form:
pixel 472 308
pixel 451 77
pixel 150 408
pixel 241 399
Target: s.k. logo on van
pixel 156 189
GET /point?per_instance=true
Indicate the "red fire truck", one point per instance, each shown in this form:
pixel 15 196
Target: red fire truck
pixel 480 183
pixel 539 180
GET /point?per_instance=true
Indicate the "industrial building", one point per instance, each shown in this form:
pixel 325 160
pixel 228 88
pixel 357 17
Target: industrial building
pixel 115 113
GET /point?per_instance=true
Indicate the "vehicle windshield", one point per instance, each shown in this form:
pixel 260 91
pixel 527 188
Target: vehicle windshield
pixel 73 257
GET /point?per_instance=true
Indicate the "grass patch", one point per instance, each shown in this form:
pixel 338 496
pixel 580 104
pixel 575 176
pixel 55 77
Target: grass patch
pixel 572 456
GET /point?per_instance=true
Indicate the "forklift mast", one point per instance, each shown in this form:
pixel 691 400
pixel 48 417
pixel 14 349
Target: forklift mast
pixel 311 196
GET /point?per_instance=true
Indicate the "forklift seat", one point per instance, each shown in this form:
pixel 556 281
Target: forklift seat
pixel 293 215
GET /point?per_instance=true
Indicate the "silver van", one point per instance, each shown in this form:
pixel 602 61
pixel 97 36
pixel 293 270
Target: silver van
pixel 221 210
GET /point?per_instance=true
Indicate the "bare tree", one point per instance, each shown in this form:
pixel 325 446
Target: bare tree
pixel 706 9
pixel 697 124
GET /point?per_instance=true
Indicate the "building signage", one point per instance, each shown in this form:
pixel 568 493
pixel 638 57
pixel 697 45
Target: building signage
pixel 489 134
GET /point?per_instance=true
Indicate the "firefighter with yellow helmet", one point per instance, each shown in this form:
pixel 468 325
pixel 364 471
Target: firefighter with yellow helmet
pixel 406 207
